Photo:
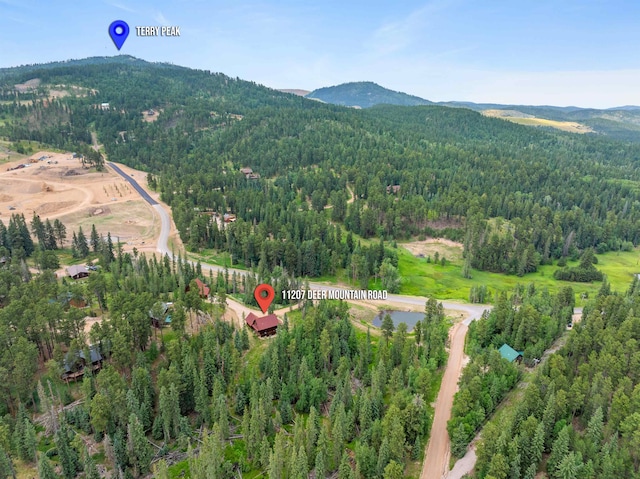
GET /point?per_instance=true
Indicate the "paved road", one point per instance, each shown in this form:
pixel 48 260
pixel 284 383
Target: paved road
pixel 134 183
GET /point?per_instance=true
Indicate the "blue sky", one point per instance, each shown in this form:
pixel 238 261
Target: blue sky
pixel 559 52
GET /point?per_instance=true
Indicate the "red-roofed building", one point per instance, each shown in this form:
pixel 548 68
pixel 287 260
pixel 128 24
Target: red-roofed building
pixel 203 289
pixel 264 326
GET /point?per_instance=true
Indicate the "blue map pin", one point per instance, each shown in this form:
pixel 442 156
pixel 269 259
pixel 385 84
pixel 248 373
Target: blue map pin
pixel 119 31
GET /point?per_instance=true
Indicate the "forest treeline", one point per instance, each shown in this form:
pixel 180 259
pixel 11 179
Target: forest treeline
pixel 318 397
pixel 579 415
pixel 456 170
pixel 528 320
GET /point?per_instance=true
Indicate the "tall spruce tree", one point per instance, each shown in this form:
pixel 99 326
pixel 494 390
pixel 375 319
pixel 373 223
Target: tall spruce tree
pixel 95 239
pixel 83 246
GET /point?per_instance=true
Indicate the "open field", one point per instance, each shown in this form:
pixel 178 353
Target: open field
pixel 8 155
pixel 429 247
pixel 446 282
pixel 523 119
pixel 59 187
pixel 420 278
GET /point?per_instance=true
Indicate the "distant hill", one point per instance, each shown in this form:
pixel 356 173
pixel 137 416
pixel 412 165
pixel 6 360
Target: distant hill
pixel 621 122
pixel 365 95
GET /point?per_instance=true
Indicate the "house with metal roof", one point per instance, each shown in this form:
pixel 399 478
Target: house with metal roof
pixel 164 319
pixel 77 271
pixel 510 354
pixel 264 326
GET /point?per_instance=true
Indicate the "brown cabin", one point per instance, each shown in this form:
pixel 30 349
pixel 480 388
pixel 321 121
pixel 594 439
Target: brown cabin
pixel 77 271
pixel 203 289
pixel 264 326
pixel 74 367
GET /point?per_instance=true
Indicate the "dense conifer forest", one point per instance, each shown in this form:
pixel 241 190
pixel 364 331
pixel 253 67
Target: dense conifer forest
pixel 577 416
pixel 322 396
pixel 320 168
pixel 330 188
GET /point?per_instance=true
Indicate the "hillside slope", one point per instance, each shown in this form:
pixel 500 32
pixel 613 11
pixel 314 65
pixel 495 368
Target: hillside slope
pixel 451 168
pixel 365 95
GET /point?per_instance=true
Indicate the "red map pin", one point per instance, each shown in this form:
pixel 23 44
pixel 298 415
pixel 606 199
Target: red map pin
pixel 264 295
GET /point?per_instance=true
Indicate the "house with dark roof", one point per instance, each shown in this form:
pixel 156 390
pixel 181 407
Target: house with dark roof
pixel 263 326
pixel 74 367
pixel 510 354
pixel 77 271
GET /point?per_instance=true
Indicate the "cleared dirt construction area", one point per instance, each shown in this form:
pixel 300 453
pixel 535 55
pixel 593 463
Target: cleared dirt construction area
pixel 56 185
pixel 429 247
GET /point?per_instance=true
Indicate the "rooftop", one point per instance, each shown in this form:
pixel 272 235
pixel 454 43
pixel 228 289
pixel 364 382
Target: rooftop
pixel 263 323
pixel 508 353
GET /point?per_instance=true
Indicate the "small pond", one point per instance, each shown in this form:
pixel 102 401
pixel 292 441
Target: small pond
pixel 407 317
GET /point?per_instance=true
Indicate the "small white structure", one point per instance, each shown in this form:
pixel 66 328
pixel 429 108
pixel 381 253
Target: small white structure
pixel 104 106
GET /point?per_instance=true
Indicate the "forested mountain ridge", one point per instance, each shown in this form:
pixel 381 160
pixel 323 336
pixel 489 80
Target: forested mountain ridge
pixel 364 95
pixel 557 192
pixel 622 123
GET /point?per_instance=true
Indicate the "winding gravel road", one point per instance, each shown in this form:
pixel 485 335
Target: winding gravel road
pixel 435 465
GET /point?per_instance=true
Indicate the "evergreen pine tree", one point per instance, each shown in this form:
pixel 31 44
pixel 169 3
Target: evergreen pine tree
pixel 387 326
pixel 89 467
pixel 140 453
pixel 60 230
pixel 384 454
pixel 320 465
pixel 82 245
pixel 30 442
pixel 75 250
pixel 66 453
pixel 300 466
pixel 50 236
pixel 345 471
pixel 277 458
pixel 6 465
pixel 110 257
pixel 37 228
pixel 265 453
pixel 45 468
pixel 160 470
pixel 95 239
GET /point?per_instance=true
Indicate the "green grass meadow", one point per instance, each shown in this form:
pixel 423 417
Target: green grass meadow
pixel 420 278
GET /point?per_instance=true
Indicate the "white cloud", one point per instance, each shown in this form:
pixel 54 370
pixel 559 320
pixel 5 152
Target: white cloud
pixel 120 6
pixel 161 19
pixel 397 35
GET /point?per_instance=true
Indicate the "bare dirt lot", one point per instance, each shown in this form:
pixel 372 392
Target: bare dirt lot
pixel 444 247
pixel 150 118
pixel 55 185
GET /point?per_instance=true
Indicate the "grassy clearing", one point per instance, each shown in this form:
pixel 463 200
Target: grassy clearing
pixel 219 259
pixel 421 278
pixel 570 126
pixel 179 470
pixel 446 282
pixel 6 153
pixel 517 117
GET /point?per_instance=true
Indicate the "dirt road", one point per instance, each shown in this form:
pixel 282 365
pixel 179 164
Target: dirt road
pixel 465 464
pixel 438 450
pixel 436 463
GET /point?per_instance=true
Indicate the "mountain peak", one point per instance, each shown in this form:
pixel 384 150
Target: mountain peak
pixel 364 94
